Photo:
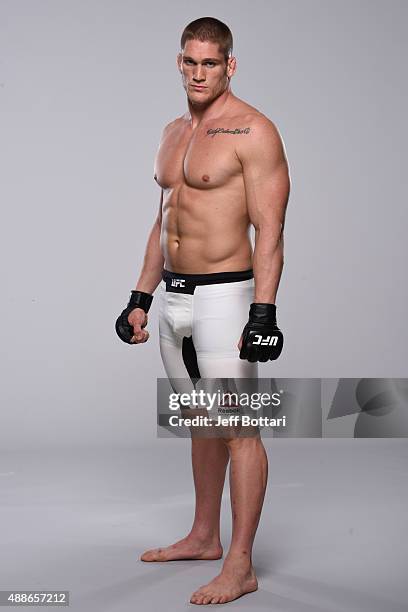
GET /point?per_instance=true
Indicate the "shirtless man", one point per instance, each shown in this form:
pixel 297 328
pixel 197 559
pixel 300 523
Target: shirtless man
pixel 221 167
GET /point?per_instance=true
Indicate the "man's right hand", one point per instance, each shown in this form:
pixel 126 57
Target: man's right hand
pixel 138 320
pixel 133 319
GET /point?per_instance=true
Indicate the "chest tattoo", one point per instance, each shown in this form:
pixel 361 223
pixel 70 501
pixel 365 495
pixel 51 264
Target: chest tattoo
pixel 221 130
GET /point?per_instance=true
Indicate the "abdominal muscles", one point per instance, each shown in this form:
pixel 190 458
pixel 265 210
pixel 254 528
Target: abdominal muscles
pixel 205 231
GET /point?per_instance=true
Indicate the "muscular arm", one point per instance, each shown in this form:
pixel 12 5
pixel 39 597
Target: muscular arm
pixel 267 186
pixel 153 261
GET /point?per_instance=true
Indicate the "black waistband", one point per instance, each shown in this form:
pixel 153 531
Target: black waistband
pixel 186 283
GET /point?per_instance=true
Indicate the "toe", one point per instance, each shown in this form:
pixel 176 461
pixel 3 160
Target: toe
pixel 195 598
pixel 204 597
pixel 145 556
pixel 149 555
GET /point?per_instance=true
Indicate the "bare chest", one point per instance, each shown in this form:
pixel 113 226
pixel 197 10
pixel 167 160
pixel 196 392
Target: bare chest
pixel 202 159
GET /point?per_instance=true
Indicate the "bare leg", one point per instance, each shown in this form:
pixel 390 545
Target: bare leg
pixel 248 478
pixel 210 459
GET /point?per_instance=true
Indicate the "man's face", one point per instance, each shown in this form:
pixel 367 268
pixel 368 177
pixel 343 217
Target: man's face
pixel 204 71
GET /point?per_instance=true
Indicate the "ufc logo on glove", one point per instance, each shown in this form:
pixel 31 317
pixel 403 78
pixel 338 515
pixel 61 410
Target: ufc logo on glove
pixel 268 341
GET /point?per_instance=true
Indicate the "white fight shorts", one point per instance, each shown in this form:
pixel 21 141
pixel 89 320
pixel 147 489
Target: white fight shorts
pixel 201 320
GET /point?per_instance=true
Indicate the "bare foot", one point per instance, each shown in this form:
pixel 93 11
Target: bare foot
pixel 227 586
pixel 187 548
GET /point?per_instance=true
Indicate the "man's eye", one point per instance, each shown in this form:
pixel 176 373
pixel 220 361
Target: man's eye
pixel 188 62
pixel 209 63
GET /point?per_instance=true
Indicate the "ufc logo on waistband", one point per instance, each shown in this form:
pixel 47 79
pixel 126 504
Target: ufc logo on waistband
pixel 267 341
pixel 178 282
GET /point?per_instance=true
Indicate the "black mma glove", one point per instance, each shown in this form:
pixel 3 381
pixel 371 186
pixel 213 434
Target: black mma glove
pixel 138 299
pixel 262 340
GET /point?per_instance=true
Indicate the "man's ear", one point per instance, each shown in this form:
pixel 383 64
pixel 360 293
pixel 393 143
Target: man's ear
pixel 231 67
pixel 178 61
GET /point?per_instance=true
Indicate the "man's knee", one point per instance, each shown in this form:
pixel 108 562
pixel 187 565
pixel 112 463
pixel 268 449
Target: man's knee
pixel 236 438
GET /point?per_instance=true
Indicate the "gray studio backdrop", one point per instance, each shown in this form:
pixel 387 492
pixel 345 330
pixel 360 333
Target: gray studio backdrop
pixel 85 89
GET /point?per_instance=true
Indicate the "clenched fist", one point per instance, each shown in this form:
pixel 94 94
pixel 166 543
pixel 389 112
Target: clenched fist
pixel 131 322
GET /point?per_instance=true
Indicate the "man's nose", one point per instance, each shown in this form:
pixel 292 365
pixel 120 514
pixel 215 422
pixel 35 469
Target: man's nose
pixel 199 73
